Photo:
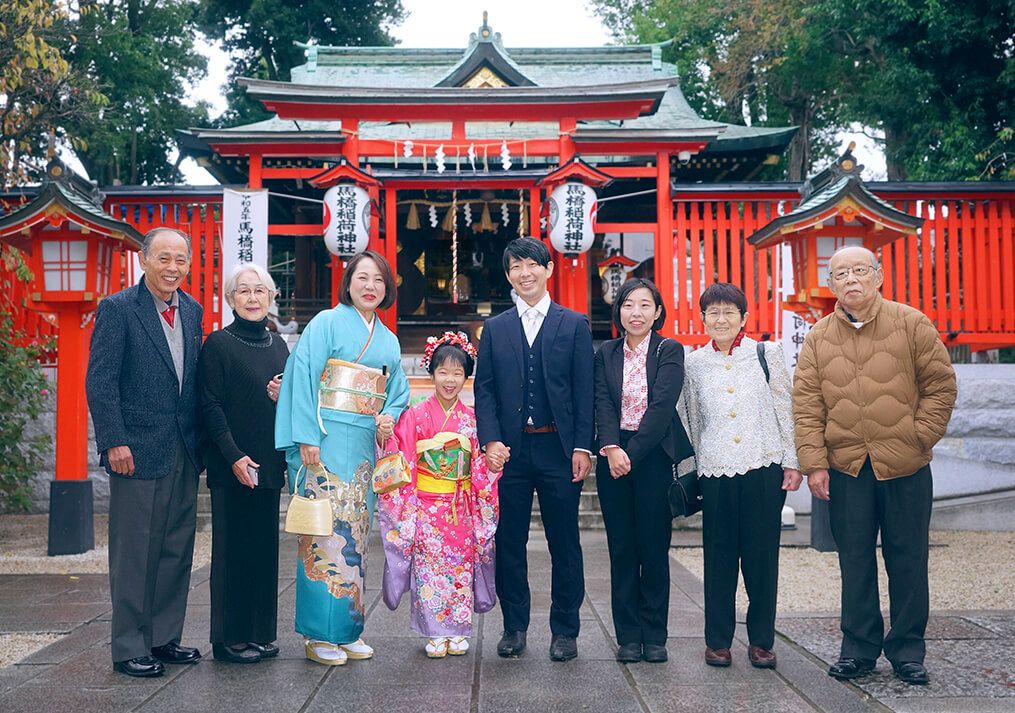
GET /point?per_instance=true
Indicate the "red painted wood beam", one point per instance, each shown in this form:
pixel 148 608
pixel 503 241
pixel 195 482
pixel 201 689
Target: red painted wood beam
pixel 514 111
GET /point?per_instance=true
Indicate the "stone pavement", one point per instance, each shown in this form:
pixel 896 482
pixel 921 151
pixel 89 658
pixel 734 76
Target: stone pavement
pixel 971 659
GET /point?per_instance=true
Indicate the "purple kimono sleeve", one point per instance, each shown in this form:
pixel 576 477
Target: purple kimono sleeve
pixel 485 513
pixel 396 515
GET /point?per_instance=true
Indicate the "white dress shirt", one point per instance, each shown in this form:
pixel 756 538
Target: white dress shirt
pixel 532 317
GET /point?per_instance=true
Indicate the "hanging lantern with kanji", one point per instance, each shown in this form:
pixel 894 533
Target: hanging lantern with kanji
pixel 613 273
pixel 572 215
pixel 346 219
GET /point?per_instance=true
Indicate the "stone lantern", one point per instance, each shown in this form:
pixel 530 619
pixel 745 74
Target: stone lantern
pixel 74 251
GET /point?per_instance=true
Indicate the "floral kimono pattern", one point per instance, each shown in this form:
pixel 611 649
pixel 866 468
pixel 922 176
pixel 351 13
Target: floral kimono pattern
pixel 330 571
pixel 439 546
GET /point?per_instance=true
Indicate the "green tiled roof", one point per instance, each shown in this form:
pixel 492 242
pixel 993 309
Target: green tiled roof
pixel 407 68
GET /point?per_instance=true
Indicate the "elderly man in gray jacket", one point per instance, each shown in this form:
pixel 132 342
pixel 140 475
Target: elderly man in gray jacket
pixel 142 393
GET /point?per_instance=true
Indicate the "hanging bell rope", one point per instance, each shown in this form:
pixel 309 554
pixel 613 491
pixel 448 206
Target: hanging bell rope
pixel 448 224
pixel 521 213
pixel 454 247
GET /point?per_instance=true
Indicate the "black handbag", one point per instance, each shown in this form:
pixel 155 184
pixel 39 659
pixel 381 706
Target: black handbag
pixel 684 494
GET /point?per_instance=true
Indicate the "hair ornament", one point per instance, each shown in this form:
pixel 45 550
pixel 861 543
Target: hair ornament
pixel 458 339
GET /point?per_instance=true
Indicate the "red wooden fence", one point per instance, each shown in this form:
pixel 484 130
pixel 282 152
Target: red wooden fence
pixel 960 269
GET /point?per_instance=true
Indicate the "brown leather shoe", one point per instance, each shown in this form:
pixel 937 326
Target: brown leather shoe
pixel 761 658
pixel 718 657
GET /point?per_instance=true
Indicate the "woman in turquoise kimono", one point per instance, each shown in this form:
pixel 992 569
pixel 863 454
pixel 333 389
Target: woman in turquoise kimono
pixel 342 391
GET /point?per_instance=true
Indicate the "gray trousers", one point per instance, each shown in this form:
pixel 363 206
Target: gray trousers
pixel 151 549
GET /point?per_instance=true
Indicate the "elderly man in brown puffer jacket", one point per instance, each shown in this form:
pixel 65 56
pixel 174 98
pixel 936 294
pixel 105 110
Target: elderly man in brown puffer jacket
pixel 873 391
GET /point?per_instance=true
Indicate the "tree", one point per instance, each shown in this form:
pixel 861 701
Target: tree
pixel 756 60
pixel 259 36
pixel 40 92
pixel 935 77
pixel 142 54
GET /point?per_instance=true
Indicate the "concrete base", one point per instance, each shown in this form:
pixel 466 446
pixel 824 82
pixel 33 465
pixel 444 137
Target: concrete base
pixel 987 511
pixel 71 515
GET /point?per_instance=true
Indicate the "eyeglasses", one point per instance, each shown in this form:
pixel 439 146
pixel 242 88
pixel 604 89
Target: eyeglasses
pixel 731 315
pixel 260 292
pixel 858 271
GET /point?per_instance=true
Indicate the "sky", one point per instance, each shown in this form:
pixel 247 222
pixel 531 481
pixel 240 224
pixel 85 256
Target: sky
pixel 521 23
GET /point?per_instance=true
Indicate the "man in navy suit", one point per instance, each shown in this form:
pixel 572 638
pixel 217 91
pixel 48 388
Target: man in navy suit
pixel 142 394
pixel 534 413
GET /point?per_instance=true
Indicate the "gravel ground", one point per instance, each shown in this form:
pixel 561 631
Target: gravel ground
pixel 14 647
pixel 968 570
pixel 23 548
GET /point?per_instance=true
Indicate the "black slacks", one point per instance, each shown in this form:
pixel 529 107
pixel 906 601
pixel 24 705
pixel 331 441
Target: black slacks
pixel 538 464
pixel 244 565
pixel 900 509
pixel 740 531
pixel 638 530
pixel 151 549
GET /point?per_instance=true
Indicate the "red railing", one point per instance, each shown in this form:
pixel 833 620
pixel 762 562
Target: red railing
pixel 959 270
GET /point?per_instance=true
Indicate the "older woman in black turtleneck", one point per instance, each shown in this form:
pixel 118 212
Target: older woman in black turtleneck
pixel 245 472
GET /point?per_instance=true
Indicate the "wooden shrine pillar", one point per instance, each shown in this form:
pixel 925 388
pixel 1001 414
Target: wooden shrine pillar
pixel 664 240
pixel 390 315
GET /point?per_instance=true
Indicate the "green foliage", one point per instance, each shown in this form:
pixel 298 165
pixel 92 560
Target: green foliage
pixel 142 55
pixel 39 89
pixel 937 77
pixel 260 35
pixel 23 390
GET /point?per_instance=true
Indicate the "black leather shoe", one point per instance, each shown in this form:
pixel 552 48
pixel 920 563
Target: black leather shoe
pixel 846 669
pixel 174 653
pixel 913 673
pixel 511 644
pixel 654 653
pixel 267 651
pixel 629 653
pixel 563 648
pixel 140 667
pixel 240 653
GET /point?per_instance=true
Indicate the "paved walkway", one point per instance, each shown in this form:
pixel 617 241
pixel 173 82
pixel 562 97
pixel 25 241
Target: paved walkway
pixel 971 659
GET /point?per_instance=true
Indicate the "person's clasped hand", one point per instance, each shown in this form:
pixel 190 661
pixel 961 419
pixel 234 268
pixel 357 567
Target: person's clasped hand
pixel 620 462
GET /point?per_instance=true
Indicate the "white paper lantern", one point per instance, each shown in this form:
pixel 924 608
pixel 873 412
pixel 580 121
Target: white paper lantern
pixel 572 212
pixel 346 219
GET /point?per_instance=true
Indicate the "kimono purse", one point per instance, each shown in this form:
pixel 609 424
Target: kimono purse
pixel 308 515
pixel 390 473
pixel 352 387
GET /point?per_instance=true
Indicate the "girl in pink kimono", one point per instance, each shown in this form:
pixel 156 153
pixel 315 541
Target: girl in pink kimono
pixel 438 530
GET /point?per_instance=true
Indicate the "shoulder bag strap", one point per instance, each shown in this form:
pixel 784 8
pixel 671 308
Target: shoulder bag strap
pixel 763 360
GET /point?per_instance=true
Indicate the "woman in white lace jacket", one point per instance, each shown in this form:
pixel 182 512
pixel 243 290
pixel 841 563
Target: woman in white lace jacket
pixel 741 427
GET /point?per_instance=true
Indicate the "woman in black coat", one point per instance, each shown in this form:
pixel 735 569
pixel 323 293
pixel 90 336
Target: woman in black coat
pixel 245 472
pixel 638 380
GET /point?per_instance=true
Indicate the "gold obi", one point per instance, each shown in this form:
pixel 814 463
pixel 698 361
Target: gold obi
pixel 443 466
pixel 355 388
